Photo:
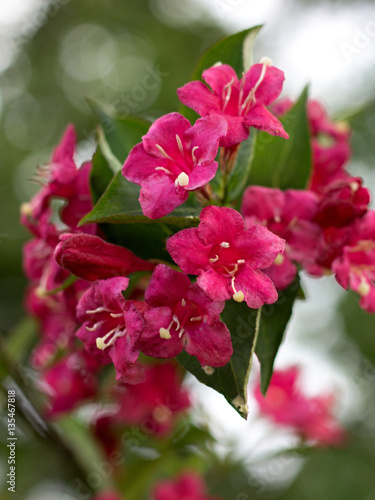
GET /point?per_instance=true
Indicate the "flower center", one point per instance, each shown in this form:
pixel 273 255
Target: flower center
pixel 109 318
pixel 226 261
pixel 185 313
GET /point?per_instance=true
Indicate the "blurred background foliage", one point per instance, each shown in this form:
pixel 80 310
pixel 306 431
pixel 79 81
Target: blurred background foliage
pixel 107 51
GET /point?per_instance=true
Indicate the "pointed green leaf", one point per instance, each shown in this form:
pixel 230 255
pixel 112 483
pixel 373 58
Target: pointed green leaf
pixel 274 320
pixel 284 163
pixel 235 50
pixel 121 133
pixel 100 176
pixel 231 380
pixel 120 204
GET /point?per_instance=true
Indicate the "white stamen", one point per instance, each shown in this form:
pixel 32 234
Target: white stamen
pixel 228 91
pixel 100 342
pixel 181 333
pixel 241 261
pixel 234 270
pixel 279 259
pixel 217 64
pixel 176 320
pixel 164 333
pixel 208 370
pixel 225 244
pixel 162 151
pixel 277 218
pixel 182 179
pixel 183 302
pixel 179 144
pixel 267 61
pixel 117 315
pixel 354 186
pixel 364 288
pixel 98 310
pixel 164 170
pixel 26 209
pixel 193 154
pixel 215 259
pixel 196 318
pixel 238 296
pixel 94 327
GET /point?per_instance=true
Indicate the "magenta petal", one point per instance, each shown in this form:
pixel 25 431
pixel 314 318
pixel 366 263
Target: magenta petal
pixel 301 204
pixel 187 250
pixel 201 175
pixel 163 133
pixel 211 344
pixel 66 147
pixel 262 202
pixel 259 117
pixel 256 286
pixel 270 87
pixel 205 135
pixel 197 96
pixel 215 285
pixel 159 196
pixel 219 222
pixel 282 275
pixel 166 286
pixel 219 76
pixel 124 356
pixel 150 342
pixel 259 246
pixel 237 131
pixel 139 165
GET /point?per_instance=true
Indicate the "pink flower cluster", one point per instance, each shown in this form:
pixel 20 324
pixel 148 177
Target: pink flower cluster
pixel 287 406
pixel 328 227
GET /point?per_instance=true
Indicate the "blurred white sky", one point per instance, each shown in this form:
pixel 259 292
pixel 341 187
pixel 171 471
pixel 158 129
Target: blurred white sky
pixel 331 46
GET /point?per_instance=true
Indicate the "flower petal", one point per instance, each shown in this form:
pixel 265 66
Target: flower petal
pixel 262 119
pixel 159 196
pixel 211 344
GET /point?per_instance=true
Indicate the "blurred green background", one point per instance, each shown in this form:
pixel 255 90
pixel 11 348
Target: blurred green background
pixel 58 53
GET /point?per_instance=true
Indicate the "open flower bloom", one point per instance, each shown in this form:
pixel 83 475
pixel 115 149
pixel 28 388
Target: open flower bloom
pixel 287 406
pixel 240 102
pixel 155 403
pixel 355 268
pixel 189 486
pixel 69 382
pixel 91 258
pixel 109 325
pixel 290 215
pixel 227 258
pixel 173 159
pixel 182 316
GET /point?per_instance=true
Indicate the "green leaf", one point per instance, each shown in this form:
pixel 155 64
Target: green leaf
pixel 234 50
pixel 100 176
pixel 120 204
pixel 284 163
pixel 238 177
pixel 231 380
pixel 121 133
pixel 274 320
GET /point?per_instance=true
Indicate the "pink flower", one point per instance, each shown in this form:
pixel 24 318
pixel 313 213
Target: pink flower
pixel 241 102
pixel 287 406
pixel 173 159
pixel 188 486
pixel 154 404
pixel 289 215
pixel 342 202
pixel 355 267
pixel 227 258
pixel 91 258
pixel 182 316
pixel 69 382
pixel 110 326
